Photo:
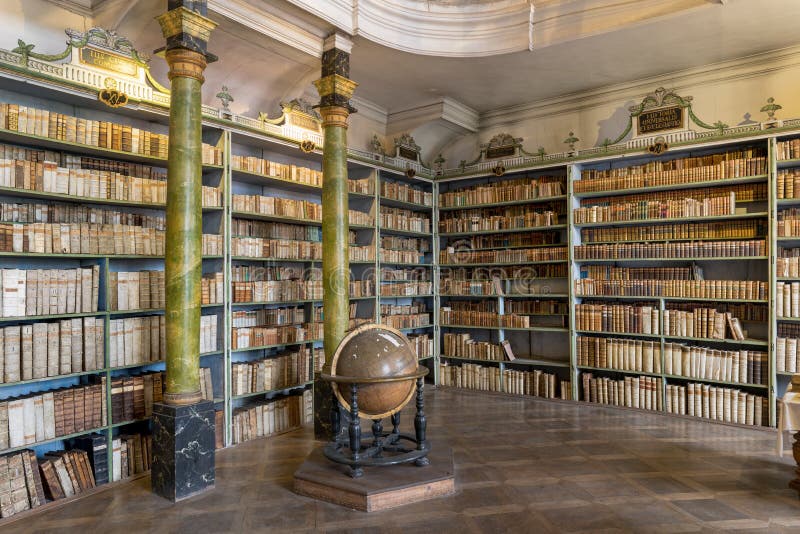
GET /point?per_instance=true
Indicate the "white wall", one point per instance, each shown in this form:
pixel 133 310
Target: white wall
pixel 39 23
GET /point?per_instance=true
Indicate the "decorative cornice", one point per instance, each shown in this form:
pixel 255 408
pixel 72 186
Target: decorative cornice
pixel 451 113
pixel 715 73
pixel 269 24
pixel 338 41
pixel 370 110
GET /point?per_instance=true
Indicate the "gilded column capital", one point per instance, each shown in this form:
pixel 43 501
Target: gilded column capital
pixel 335 90
pixel 186 28
pixel 334 116
pixel 186 63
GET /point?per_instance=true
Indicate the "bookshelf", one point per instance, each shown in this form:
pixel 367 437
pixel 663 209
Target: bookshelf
pixel 503 253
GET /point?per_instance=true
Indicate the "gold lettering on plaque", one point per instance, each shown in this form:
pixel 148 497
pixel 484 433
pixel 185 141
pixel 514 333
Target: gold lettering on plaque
pixel 305 122
pixel 660 120
pixel 112 62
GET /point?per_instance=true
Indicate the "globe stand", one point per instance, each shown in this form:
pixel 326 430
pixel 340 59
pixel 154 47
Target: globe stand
pixel 385 448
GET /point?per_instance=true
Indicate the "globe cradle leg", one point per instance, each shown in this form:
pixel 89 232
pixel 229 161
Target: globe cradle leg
pixel 362 394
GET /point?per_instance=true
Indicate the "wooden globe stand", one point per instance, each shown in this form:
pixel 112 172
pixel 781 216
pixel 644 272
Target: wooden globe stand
pixel 385 448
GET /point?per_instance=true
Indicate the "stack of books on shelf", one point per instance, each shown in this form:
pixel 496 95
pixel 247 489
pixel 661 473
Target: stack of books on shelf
pixel 789 222
pixel 285 207
pixel 281 371
pixel 644 392
pixel 748 229
pixel 718 403
pixel 21 485
pixel 787 150
pixel 139 340
pixel 508 218
pixel 405 315
pixel 657 209
pixel 707 323
pixel 732 164
pixel 406 193
pixel 788 183
pixel 516 190
pixel 536 383
pixel 403 250
pixel 462 314
pixel 451 256
pixel 243 337
pixel 499 241
pixel 66 473
pixel 132 454
pixel 787 353
pixel 132 397
pixel 39 350
pixel 364 186
pixel 739 366
pixel 272 417
pixel 618 318
pixel 49 291
pixel 619 354
pixel 463 346
pixel 788 263
pixel 277 290
pixel 46 415
pixel 362 252
pixel 282 171
pixel 704 249
pixel 422 344
pixel 275 230
pixel 407 289
pixel 405 220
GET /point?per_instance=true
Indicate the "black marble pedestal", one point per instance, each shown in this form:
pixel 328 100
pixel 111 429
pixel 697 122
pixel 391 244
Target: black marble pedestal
pixel 183 450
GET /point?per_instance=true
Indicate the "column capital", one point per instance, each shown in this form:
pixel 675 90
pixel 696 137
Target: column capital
pixel 186 63
pixel 335 90
pixel 187 27
pixel 334 116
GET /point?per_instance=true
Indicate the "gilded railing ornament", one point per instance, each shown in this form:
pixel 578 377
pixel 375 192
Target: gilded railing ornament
pixel 111 96
pixel 307 146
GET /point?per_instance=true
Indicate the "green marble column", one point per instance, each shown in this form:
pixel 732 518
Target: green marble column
pixel 335 90
pixel 183 266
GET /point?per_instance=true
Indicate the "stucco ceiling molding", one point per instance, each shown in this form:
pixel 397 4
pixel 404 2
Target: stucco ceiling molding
pixel 269 24
pixel 338 13
pixel 713 74
pixel 452 114
pixel 464 30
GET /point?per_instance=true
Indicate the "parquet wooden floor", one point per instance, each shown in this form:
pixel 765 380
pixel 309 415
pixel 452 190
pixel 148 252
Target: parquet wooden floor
pixel 522 465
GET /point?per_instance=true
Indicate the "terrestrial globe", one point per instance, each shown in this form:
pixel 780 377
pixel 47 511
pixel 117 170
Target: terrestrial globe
pixel 378 352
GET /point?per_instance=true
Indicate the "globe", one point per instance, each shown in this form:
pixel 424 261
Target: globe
pixel 375 351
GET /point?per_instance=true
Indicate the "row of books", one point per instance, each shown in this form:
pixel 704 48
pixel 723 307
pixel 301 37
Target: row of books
pixel 74 213
pixel 285 207
pixel 515 239
pixel 741 193
pixel 645 392
pixel 422 344
pixel 268 317
pixel 132 454
pixel 671 209
pixel 132 397
pixel 279 290
pixel 406 289
pixel 475 221
pixel 103 134
pixel 390 274
pixel 611 272
pixel 363 253
pixel 40 350
pixel 704 289
pixel 740 366
pixel 47 415
pixel 275 230
pixel 27 292
pixel 281 371
pixel 535 383
pixel 283 171
pixel 788 224
pixel 257 247
pixel 619 318
pixel 406 193
pixel 788 183
pixel 140 340
pixel 272 417
pixel 252 273
pixel 365 186
pixel 788 262
pixel 405 243
pixel 749 229
pixel 405 220
pixel 453 257
pixel 717 403
pixel 691 249
pixel 789 149
pixel 707 323
pixel 407 320
pixel 536 307
pixel 504 191
pixel 744 311
pixel 731 164
pixel 144 290
pixel 49 177
pixel 403 309
pixel 84 238
pixel 463 346
pixel 787 354
pixel 390 255
pixel 259 336
pixel 448 316
pixel 360 218
pixel 624 354
pixel 27 482
pixel 470 287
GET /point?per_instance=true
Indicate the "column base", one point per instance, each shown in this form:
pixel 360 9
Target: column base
pixel 183 450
